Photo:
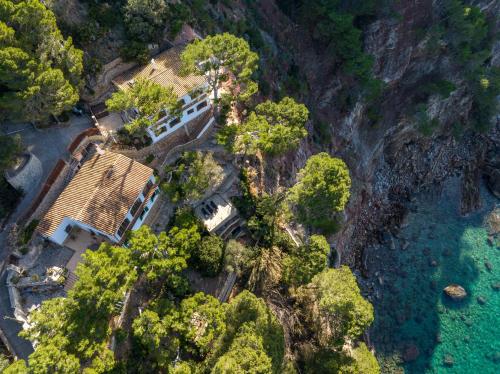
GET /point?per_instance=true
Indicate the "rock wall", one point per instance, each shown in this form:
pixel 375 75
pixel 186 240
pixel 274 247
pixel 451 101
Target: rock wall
pixel 392 160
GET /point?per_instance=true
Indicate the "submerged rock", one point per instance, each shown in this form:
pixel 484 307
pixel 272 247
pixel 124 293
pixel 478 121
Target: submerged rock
pixel 481 300
pixel 488 265
pixel 455 291
pixel 496 286
pixel 411 353
pixel 448 360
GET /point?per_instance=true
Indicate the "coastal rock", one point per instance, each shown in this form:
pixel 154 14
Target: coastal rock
pixel 448 360
pixel 455 291
pixel 411 353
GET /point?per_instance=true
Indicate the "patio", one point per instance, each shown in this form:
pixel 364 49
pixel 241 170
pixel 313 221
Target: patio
pixel 79 240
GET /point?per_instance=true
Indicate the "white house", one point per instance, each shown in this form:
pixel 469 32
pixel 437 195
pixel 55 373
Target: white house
pixel 109 195
pixel 192 90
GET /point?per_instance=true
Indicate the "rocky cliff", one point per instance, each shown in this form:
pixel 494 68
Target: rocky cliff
pixel 391 160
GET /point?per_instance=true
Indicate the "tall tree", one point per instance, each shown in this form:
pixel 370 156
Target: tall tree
pixel 163 256
pixel 76 329
pixel 322 191
pixel 273 128
pixel 40 71
pixel 334 308
pixel 202 173
pixel 201 322
pixel 149 99
pixel 145 19
pixel 222 58
pixel 253 334
pixel 305 262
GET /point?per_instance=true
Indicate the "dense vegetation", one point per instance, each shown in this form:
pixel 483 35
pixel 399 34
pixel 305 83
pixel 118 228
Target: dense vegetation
pixel 10 147
pixel 39 70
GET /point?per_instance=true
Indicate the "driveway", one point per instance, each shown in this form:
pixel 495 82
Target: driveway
pixel 48 145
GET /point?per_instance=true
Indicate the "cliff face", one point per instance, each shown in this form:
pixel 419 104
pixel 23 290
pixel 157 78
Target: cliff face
pixel 390 160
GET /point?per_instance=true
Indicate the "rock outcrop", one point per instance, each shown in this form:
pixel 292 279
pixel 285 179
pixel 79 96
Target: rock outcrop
pixel 455 292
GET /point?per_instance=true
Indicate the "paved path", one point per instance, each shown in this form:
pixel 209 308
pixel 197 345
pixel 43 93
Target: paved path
pixel 48 145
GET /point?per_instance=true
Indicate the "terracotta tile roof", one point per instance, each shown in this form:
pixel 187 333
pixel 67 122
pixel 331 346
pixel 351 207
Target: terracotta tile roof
pixel 100 194
pixel 165 71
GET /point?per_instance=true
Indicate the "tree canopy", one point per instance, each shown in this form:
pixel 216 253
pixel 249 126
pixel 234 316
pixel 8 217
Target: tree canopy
pixel 253 339
pixel 73 331
pixel 322 190
pixel 149 99
pixel 145 19
pixel 222 58
pixel 274 128
pixel 334 308
pixel 305 262
pixel 208 255
pixel 163 256
pixel 40 71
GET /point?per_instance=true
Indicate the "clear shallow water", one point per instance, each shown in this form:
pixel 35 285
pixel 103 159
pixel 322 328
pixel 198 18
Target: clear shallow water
pixel 413 314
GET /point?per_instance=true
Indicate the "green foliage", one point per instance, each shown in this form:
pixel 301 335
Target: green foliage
pixel 135 51
pixel 4 362
pixel 39 70
pixel 17 367
pixel 246 354
pixel 163 256
pixel 208 255
pixel 145 19
pixel 201 322
pixel 192 175
pixel 149 98
pixel 363 362
pixel 274 128
pixel 10 147
pixel 218 57
pixel 27 232
pixel 253 339
pixel 321 192
pixel 303 264
pixel 203 172
pixel 334 308
pixel 74 330
pixel 237 257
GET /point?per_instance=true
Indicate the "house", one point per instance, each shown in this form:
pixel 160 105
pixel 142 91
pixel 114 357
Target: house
pixel 109 195
pixel 219 216
pixel 192 91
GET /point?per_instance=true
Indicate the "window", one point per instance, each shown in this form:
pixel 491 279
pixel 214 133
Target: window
pixel 162 113
pixel 147 188
pixel 135 207
pixel 153 196
pixel 146 209
pixel 201 105
pixel 174 122
pixel 190 111
pixel 68 228
pixel 123 227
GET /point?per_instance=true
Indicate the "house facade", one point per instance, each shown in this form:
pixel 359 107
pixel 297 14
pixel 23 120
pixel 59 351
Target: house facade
pixel 193 91
pixel 109 195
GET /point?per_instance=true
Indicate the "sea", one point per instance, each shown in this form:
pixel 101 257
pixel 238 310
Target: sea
pixel 418 329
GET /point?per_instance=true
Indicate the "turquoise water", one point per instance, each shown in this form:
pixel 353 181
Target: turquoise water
pixel 414 317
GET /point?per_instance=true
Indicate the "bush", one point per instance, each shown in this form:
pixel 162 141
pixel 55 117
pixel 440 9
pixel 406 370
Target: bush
pixel 27 232
pixel 208 256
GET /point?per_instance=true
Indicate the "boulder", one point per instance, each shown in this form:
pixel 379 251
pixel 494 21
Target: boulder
pixel 455 292
pixel 411 353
